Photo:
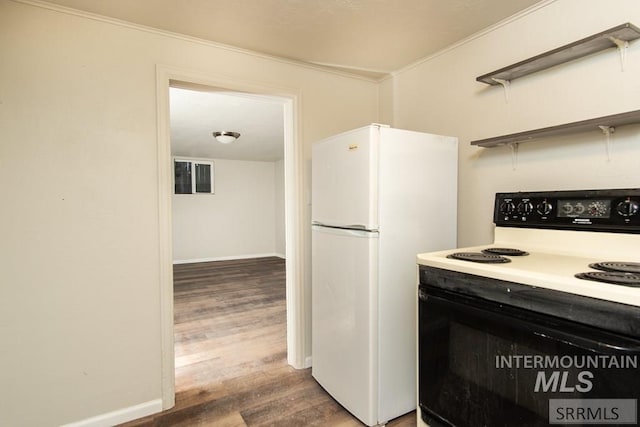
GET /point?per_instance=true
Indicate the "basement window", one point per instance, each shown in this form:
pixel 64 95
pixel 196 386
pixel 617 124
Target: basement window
pixel 193 176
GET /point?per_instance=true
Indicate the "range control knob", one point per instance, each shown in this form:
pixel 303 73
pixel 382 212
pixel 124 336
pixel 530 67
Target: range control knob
pixel 544 208
pixel 507 208
pixel 627 208
pixel 567 208
pixel 525 208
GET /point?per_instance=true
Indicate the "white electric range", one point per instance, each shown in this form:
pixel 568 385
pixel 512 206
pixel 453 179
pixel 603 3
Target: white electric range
pixel 563 273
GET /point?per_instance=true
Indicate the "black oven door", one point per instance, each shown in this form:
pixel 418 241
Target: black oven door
pixel 483 363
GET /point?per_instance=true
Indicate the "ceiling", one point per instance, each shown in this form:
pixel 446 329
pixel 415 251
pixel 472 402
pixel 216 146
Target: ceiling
pixel 196 114
pixel 369 38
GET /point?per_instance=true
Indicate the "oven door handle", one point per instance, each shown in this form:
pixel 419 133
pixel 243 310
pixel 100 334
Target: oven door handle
pixel 605 343
pixel 570 333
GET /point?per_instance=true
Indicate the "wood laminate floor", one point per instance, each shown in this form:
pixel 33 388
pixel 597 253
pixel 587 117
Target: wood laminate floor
pixel 231 360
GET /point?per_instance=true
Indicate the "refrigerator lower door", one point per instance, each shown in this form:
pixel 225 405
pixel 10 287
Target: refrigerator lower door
pixel 344 318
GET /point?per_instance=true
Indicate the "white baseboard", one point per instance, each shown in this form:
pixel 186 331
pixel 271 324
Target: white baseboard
pixel 121 415
pixel 307 362
pixel 225 258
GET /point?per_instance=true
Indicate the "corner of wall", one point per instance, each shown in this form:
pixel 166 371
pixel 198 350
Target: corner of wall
pixel 386 100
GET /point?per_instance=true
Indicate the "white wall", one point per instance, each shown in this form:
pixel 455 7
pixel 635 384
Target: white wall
pixel 80 310
pixel 238 221
pixel 441 95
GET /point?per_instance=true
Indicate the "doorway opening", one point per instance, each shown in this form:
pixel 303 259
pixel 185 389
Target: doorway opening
pixel 295 337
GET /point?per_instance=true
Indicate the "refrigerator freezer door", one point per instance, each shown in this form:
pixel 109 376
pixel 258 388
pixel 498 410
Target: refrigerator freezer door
pixel 345 179
pixel 344 318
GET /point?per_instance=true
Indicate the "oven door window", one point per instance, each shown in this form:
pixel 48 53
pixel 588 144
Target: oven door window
pixel 486 364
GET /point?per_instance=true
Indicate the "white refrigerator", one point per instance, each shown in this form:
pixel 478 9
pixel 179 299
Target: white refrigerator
pixel 379 197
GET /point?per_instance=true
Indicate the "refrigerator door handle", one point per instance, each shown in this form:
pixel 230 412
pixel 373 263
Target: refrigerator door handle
pixel 345 231
pixel 345 226
pixel 356 226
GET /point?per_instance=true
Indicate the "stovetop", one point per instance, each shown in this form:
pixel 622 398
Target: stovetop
pixel 559 240
pixel 553 259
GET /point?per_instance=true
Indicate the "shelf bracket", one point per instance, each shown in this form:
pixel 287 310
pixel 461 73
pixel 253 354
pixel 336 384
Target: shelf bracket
pixel 506 84
pixel 607 131
pixel 514 154
pixel 623 46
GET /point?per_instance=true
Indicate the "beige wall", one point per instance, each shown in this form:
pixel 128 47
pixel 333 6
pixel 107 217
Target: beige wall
pixel 80 312
pixel 238 221
pixel 441 95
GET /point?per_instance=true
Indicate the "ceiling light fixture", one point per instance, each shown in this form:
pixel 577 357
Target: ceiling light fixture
pixel 226 137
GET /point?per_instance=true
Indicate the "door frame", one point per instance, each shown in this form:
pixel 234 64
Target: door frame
pixel 294 234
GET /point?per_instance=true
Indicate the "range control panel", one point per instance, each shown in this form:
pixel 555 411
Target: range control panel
pixel 590 210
